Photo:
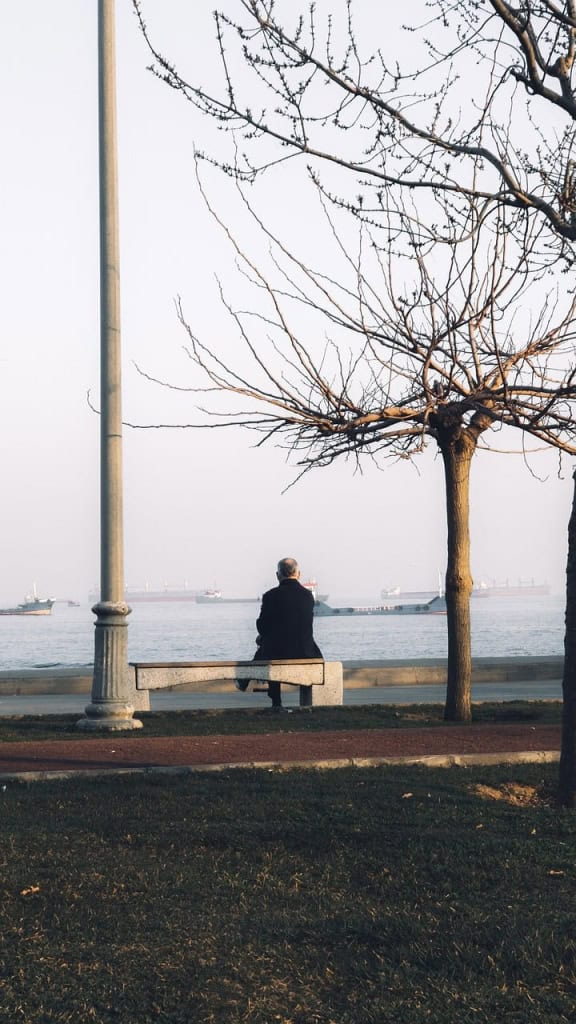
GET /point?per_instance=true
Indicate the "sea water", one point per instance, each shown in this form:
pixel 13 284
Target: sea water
pixel 184 631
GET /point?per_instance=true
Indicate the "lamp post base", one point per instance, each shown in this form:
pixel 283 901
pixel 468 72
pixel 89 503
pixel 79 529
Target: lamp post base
pixel 108 717
pixel 110 710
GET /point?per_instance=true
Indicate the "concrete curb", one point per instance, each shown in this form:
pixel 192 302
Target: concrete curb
pixel 425 761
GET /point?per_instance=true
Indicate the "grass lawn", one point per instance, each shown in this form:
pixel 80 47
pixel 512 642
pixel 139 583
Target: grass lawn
pixel 230 722
pixel 357 896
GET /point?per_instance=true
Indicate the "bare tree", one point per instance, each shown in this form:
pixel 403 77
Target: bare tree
pixel 427 342
pixel 486 113
pixel 567 782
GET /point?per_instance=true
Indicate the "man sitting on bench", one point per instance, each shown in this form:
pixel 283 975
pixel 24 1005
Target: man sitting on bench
pixel 285 625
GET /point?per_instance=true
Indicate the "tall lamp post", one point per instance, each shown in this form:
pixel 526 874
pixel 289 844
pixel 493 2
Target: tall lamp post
pixel 110 708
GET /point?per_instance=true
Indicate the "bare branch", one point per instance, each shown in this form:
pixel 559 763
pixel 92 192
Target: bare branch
pixel 305 95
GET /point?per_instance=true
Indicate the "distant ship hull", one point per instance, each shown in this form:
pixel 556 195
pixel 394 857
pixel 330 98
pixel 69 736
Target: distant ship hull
pixel 437 606
pixel 150 596
pixel 194 596
pixel 482 590
pixel 517 590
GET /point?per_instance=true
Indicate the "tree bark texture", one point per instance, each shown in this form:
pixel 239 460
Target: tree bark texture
pixel 457 449
pixel 567 780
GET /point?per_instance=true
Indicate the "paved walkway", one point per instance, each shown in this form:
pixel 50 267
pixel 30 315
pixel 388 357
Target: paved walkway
pixel 58 703
pixel 435 746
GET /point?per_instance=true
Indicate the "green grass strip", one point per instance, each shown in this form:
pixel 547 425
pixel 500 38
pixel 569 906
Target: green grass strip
pixel 363 896
pixel 242 721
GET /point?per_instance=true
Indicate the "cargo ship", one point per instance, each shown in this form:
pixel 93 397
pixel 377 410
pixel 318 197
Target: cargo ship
pixel 520 589
pixel 437 606
pixel 211 596
pixel 483 589
pixel 135 595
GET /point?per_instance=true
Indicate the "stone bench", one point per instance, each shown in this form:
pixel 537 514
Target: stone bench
pixel 319 682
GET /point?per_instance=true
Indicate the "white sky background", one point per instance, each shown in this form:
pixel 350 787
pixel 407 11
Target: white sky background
pixel 205 507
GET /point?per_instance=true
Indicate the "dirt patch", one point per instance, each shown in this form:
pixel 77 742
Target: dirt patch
pixel 510 793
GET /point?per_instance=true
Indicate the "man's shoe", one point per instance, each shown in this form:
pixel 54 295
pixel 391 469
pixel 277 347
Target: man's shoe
pixel 277 707
pixel 242 685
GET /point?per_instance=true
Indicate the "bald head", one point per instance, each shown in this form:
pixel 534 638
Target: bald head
pixel 288 568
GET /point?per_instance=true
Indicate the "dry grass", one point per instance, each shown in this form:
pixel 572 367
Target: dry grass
pixel 512 793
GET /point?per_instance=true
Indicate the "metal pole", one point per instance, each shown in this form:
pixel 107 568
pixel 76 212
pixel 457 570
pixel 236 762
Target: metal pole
pixel 110 708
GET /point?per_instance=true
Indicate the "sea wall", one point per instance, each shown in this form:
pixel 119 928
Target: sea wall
pixel 428 670
pixel 78 678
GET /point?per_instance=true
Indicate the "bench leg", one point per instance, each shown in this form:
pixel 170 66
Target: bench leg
pixel 328 695
pixel 139 699
pixel 306 695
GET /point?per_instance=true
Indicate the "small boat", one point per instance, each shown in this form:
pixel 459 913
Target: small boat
pixel 31 605
pixel 209 597
pixel 437 606
pixel 216 597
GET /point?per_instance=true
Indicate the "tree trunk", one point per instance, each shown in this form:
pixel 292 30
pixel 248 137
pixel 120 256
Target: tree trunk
pixel 567 780
pixel 457 449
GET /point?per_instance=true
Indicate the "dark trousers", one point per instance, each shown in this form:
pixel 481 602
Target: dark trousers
pixel 273 687
pixel 274 694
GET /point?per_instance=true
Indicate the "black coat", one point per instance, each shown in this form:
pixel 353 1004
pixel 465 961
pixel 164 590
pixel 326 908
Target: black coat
pixel 285 623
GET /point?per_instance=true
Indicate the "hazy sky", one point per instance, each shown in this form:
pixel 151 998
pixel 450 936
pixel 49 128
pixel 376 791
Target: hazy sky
pixel 203 507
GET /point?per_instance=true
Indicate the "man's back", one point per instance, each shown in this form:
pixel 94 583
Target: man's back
pixel 285 623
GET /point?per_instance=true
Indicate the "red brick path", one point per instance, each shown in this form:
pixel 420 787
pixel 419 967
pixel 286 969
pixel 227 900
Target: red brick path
pixel 140 751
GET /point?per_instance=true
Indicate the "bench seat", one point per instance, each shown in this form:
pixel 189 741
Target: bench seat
pixel 320 682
